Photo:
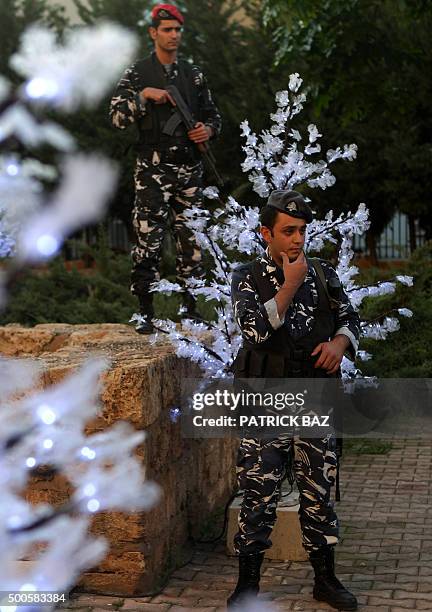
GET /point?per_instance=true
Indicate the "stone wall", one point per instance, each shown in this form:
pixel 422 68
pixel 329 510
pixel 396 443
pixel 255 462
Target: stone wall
pixel 142 384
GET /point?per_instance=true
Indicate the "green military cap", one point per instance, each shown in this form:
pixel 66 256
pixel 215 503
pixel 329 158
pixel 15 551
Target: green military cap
pixel 292 203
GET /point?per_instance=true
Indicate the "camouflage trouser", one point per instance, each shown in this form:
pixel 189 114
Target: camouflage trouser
pixel 261 467
pixel 163 189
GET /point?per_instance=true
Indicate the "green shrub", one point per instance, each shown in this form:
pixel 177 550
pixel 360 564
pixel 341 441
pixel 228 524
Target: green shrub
pixel 405 353
pixel 100 295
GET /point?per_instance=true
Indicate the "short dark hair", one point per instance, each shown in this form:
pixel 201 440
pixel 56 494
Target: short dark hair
pixel 268 216
pixel 155 23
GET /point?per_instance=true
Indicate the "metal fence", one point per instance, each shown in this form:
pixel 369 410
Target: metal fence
pixel 392 244
pixel 394 241
pixel 116 236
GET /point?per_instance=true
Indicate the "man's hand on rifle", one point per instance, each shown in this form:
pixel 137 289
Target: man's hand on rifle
pixel 158 96
pixel 200 133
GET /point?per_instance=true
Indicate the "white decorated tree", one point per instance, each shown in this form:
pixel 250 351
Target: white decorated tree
pixel 279 158
pixel 45 430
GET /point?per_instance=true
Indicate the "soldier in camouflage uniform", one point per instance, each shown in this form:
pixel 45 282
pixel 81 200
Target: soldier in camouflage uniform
pixel 169 170
pixel 296 322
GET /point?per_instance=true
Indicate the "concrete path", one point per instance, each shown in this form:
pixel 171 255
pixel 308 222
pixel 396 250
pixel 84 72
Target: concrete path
pixel 385 556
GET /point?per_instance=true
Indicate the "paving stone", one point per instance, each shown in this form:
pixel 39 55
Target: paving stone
pixel 406 594
pixel 143 604
pixel 404 603
pixel 170 599
pixel 147 607
pixel 184 574
pixel 195 608
pixel 385 556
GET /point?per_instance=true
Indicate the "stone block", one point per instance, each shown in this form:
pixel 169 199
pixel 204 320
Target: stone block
pixel 286 535
pixel 141 385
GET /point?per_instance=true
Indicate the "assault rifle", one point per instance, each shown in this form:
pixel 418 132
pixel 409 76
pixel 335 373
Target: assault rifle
pixel 182 114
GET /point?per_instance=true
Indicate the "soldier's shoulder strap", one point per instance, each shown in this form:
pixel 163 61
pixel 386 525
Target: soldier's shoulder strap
pixel 316 263
pixel 190 79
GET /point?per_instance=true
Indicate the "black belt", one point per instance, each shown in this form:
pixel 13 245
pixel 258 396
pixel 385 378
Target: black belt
pixel 299 355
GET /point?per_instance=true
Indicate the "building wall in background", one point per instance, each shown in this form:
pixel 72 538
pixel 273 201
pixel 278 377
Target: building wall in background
pixel 71 11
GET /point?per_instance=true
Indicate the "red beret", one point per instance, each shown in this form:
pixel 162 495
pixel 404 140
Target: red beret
pixel 167 11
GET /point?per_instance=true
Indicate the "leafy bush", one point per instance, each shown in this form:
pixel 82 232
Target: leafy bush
pixel 100 295
pixel 406 353
pixel 58 295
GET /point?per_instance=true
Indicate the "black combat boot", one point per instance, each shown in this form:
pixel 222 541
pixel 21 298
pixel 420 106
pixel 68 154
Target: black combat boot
pixel 248 580
pixel 147 312
pixel 327 587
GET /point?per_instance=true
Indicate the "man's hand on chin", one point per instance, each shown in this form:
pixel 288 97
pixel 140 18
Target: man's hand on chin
pixel 331 353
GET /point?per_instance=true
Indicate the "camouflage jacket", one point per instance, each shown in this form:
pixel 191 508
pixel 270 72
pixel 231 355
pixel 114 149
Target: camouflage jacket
pixel 127 106
pixel 258 320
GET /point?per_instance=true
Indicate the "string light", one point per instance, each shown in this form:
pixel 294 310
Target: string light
pixel 89 490
pixel 41 88
pixel 46 414
pixel 12 169
pixel 47 245
pixel 93 505
pixel 175 414
pixel 88 452
pixel 14 521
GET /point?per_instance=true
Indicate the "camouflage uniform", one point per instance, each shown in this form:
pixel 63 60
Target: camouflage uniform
pixel 262 463
pixel 261 466
pixel 168 172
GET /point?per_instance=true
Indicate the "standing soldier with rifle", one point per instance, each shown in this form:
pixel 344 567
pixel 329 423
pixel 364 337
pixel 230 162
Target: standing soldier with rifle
pixel 168 174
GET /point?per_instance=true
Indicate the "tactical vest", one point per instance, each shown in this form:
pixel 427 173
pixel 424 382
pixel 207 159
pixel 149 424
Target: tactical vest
pixel 150 126
pixel 281 356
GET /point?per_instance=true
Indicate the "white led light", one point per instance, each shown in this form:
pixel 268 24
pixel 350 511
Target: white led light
pixel 14 521
pixel 46 414
pixel 31 462
pixel 12 169
pixel 93 505
pixel 47 245
pixel 48 443
pixel 41 88
pixel 88 452
pixel 89 490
